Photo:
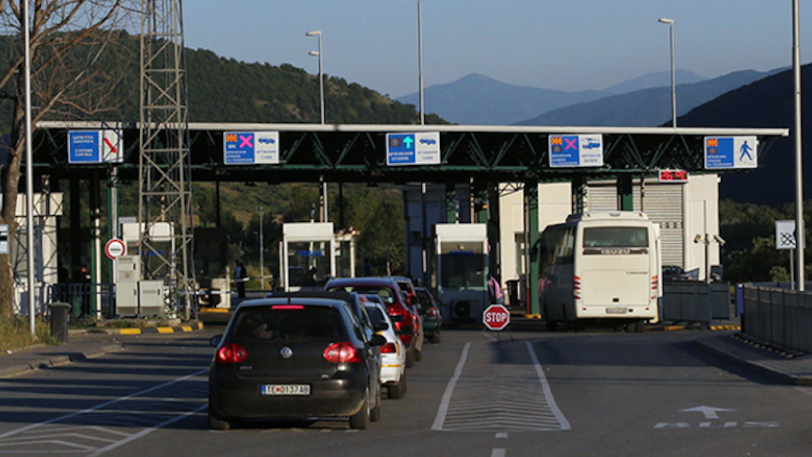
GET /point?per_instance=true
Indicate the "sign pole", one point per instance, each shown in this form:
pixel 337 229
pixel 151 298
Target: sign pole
pixel 792 269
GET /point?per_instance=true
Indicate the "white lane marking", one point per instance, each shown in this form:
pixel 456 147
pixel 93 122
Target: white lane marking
pixel 102 405
pixel 548 393
pixel 498 453
pixel 501 436
pixel 804 390
pixel 449 390
pixel 147 431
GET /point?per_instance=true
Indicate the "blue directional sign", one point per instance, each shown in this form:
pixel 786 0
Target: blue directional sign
pixel 575 151
pixel 731 152
pixel 413 148
pixel 250 148
pixel 94 146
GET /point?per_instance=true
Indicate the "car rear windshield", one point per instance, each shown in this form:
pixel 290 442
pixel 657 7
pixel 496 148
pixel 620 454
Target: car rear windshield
pixel 287 323
pixel 385 293
pixel 376 315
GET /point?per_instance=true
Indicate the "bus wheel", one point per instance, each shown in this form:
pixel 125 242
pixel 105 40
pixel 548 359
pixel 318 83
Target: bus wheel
pixel 640 326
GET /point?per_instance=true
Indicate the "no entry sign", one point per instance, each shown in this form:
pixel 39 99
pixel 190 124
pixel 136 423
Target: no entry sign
pixel 115 248
pixel 496 317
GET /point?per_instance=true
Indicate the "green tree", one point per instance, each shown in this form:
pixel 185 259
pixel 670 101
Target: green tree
pixel 63 32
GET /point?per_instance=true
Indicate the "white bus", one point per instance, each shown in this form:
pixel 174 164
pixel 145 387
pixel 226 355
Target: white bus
pixel 600 266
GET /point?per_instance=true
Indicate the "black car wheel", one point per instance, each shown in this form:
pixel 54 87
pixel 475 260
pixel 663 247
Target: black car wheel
pixel 375 413
pixel 215 423
pixel 410 358
pixel 435 338
pixel 360 420
pixel 397 391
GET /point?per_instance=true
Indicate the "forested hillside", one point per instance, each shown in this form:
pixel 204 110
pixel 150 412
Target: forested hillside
pixel 226 90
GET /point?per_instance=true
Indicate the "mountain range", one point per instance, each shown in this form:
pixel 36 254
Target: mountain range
pixel 642 101
pixel 766 103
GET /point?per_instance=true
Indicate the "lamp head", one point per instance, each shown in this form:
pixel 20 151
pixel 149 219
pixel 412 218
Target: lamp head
pixel 665 20
pixel 313 33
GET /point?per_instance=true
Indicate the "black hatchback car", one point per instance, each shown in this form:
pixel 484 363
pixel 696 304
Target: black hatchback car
pixel 299 358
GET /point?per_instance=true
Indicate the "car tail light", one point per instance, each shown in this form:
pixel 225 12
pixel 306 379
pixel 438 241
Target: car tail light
pixel 406 338
pixel 389 348
pixel 232 353
pixel 432 312
pixel 576 287
pixel 344 352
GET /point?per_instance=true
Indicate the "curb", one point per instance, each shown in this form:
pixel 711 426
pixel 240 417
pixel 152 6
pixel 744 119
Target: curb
pixel 141 331
pixel 771 372
pixel 57 360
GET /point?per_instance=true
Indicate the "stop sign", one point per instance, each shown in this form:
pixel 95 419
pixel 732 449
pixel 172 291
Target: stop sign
pixel 496 317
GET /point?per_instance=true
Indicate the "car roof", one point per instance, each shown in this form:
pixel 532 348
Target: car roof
pixel 364 281
pixel 307 301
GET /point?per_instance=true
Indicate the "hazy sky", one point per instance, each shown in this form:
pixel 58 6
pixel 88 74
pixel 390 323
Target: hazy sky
pixel 565 44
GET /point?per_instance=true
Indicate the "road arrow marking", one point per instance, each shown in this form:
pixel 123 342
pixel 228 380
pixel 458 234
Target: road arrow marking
pixel 710 412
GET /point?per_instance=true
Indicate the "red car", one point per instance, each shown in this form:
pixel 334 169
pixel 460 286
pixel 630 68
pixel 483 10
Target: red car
pixel 407 323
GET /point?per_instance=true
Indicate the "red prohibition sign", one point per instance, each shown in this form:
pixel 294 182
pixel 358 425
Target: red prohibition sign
pixel 115 248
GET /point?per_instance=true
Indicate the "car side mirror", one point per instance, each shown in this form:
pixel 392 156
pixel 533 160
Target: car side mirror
pixel 381 326
pixel 215 340
pixel 377 340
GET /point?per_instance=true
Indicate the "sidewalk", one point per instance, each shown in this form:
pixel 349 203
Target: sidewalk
pixel 791 368
pixel 82 344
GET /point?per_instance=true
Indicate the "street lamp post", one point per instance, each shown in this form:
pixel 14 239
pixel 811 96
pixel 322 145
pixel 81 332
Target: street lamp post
pixel 670 23
pixel 321 103
pixel 321 77
pixel 261 253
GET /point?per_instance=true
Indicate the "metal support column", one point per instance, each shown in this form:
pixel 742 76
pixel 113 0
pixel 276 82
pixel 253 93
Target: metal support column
pixel 531 240
pixel 494 235
pixel 95 249
pixel 625 196
pixel 578 194
pixel 452 204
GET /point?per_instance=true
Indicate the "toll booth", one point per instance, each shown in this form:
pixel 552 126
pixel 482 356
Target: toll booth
pixel 462 270
pixel 307 255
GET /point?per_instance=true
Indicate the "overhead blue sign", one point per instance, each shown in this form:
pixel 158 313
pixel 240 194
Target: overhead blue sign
pixel 575 151
pixel 413 148
pixel 731 152
pixel 250 148
pixel 94 146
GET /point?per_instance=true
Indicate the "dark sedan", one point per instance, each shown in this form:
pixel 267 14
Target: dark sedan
pixel 295 359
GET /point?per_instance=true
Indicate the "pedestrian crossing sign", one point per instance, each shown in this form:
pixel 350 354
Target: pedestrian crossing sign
pixel 731 152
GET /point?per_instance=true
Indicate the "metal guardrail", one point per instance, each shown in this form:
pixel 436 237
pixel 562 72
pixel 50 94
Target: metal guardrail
pixel 779 316
pixel 695 301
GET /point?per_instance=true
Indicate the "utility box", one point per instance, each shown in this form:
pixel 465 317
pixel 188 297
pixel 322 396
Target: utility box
pixel 140 299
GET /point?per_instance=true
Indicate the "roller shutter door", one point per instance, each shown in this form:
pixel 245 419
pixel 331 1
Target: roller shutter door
pixel 664 204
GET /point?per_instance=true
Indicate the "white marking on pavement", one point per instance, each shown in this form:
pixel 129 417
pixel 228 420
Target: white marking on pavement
pixel 548 393
pixel 710 412
pixel 449 390
pixel 102 405
pixel 147 431
pixel 498 453
pixel 501 436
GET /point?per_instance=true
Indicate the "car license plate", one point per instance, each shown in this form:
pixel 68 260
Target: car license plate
pixel 616 310
pixel 285 389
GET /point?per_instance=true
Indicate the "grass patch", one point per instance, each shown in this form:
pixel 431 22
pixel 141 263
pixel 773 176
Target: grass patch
pixel 15 332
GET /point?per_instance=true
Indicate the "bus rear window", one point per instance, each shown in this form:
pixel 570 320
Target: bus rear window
pixel 615 237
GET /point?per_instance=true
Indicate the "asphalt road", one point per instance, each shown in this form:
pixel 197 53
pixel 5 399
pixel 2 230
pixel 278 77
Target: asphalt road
pixel 562 394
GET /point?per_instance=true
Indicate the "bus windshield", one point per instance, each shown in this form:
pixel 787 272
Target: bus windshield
pixel 611 237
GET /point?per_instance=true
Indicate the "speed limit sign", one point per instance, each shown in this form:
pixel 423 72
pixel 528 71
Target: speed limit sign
pixel 115 248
